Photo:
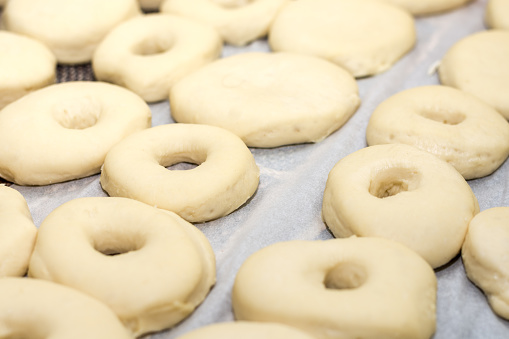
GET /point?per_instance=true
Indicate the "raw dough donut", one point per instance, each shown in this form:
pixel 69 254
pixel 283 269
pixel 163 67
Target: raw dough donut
pixel 364 36
pixel 479 64
pixel 64 131
pixel 497 14
pixel 340 288
pixel 226 175
pixel 268 100
pixel 148 54
pixel 246 330
pixel 402 193
pixel 426 7
pixel 237 21
pixel 32 308
pixel 486 256
pixel 17 233
pixel 150 5
pixel 71 29
pixel 25 65
pixel 451 124
pixel 149 266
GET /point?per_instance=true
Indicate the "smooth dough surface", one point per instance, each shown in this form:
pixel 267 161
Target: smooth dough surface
pixel 246 330
pixel 17 233
pixel 33 308
pixel 71 29
pixel 268 100
pixel 329 288
pixel 237 21
pixel 497 14
pixel 63 132
pixel 479 64
pixel 364 36
pixel 427 7
pixel 451 124
pixel 148 54
pixel 225 178
pixel 485 255
pixel 25 65
pixel 402 193
pixel 149 266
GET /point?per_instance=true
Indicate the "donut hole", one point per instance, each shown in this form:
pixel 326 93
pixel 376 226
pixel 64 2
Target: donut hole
pixel 444 117
pixel 77 113
pixel 392 181
pixel 182 166
pixel 345 276
pixel 183 162
pixel 232 4
pixel 118 244
pixel 153 45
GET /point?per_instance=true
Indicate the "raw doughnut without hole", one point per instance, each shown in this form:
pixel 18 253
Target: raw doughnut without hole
pixel 246 330
pixel 402 193
pixel 226 175
pixel 149 266
pixel 330 288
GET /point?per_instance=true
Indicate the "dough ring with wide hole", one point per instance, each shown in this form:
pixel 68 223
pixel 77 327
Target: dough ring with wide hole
pixel 71 29
pixel 226 175
pixel 497 14
pixel 246 330
pixel 64 131
pixel 453 125
pixel 427 7
pixel 402 193
pixel 486 256
pixel 268 100
pixel 151 267
pixel 237 21
pixel 364 36
pixel 479 65
pixel 148 54
pixel 25 65
pixel 33 308
pixel 330 288
pixel 17 233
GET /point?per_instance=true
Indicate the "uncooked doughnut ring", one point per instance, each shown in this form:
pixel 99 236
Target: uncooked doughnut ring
pixel 32 308
pixel 330 288
pixel 399 192
pixel 226 175
pixel 246 330
pixel 451 124
pixel 497 14
pixel 17 233
pixel 237 21
pixel 148 54
pixel 149 266
pixel 64 131
pixel 427 7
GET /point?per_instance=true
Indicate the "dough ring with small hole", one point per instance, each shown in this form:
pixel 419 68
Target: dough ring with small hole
pixel 268 100
pixel 33 308
pixel 64 131
pixel 25 65
pixel 366 37
pixel 453 125
pixel 17 233
pixel 246 330
pixel 497 14
pixel 148 54
pixel 151 267
pixel 486 256
pixel 225 178
pixel 402 193
pixel 237 21
pixel 329 288
pixel 427 7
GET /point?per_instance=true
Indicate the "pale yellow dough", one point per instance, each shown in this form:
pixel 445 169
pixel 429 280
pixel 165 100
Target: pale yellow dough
pixel 25 65
pixel 486 256
pixel 17 233
pixel 497 14
pixel 64 131
pixel 32 308
pixel 148 54
pixel 451 124
pixel 71 29
pixel 428 7
pixel 364 36
pixel 163 268
pixel 237 21
pixel 226 175
pixel 150 5
pixel 479 64
pixel 268 100
pixel 246 330
pixel 340 288
pixel 402 193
